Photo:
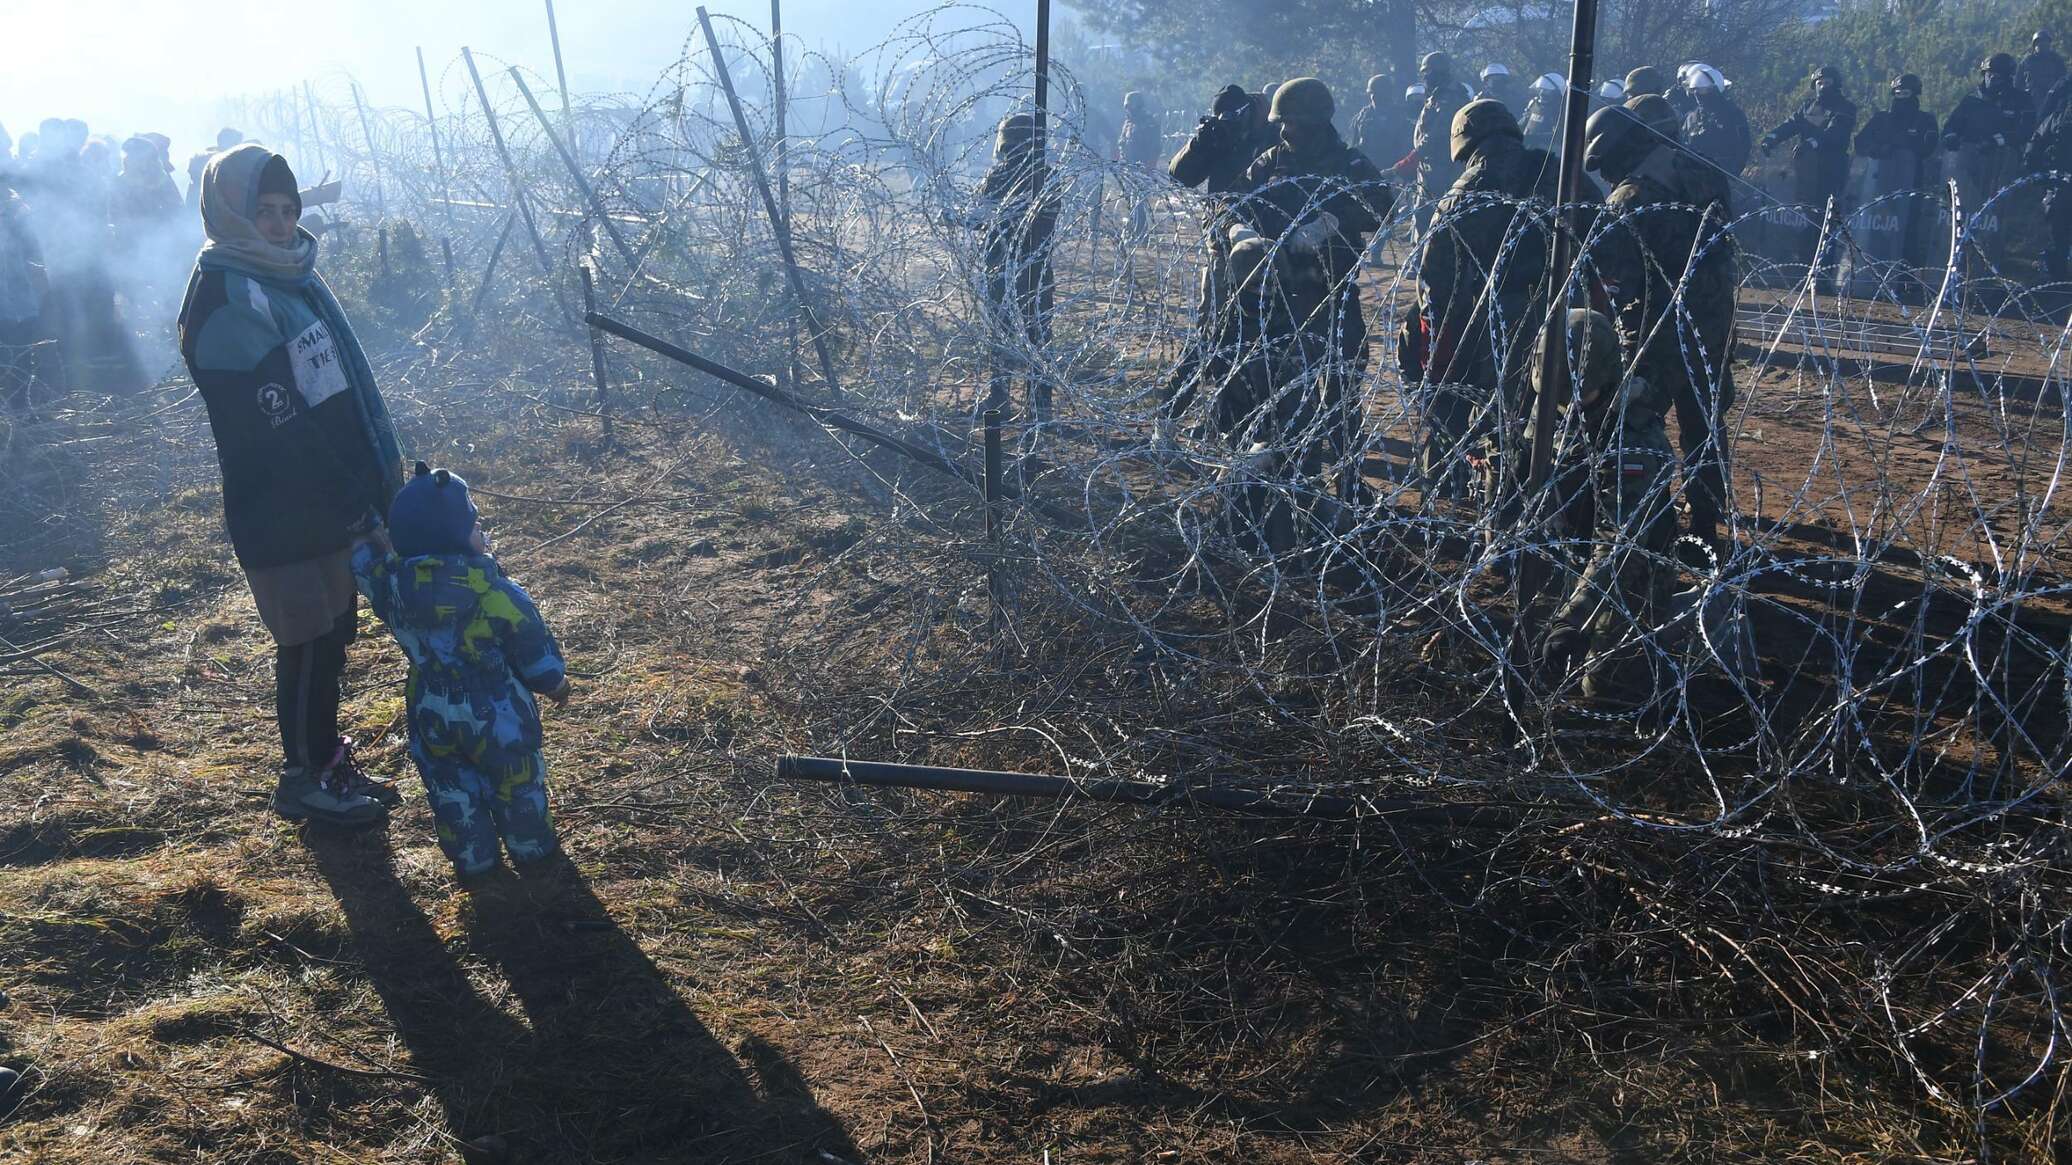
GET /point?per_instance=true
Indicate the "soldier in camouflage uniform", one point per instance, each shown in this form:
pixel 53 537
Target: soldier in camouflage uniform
pixel 1610 445
pixel 1214 158
pixel 1665 249
pixel 1020 289
pixel 1312 181
pixel 1482 264
pixel 1429 141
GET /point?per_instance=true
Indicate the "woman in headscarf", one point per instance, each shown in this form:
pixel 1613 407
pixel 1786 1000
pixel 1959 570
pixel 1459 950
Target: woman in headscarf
pixel 307 453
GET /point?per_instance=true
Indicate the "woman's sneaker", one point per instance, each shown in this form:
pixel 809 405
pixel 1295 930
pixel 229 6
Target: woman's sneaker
pixel 348 774
pixel 318 797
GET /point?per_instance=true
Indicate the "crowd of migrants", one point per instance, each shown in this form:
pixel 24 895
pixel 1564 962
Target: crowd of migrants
pixel 96 238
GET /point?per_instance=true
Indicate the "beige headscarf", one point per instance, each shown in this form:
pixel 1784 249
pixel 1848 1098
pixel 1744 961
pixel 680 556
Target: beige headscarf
pixel 229 202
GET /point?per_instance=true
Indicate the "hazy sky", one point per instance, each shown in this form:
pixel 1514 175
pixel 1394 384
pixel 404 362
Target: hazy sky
pixel 127 66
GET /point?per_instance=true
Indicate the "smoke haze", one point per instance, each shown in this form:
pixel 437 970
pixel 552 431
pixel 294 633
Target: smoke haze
pixel 125 66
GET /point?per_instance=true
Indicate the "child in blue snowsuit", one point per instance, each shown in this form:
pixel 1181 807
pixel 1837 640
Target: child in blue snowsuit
pixel 478 652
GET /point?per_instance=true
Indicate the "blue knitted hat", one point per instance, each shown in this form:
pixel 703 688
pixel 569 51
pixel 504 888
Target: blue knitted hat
pixel 432 515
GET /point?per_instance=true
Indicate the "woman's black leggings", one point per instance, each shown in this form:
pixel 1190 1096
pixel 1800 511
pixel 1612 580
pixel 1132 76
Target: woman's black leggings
pixel 306 694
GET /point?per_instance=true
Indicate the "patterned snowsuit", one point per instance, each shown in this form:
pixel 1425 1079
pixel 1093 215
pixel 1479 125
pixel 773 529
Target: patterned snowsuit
pixel 478 651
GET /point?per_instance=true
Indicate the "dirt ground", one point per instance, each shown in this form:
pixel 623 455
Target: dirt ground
pixel 752 971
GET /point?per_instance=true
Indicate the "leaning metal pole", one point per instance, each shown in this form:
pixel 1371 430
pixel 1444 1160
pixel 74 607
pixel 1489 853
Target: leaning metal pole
pixel 780 226
pixel 575 170
pixel 1553 354
pixel 431 121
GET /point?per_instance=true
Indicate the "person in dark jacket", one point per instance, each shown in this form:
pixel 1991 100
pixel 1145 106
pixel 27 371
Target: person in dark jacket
pixel 308 455
pixel 1902 145
pixel 1901 136
pixel 22 286
pixel 1544 109
pixel 1430 140
pixel 1645 80
pixel 2041 70
pixel 2049 151
pixel 1215 158
pixel 1820 132
pixel 144 208
pixel 1499 85
pixel 1987 130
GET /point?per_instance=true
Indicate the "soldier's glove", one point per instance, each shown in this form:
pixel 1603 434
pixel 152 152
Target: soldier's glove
pixel 1561 651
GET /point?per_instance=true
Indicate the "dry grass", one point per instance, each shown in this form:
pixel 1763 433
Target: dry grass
pixel 749 972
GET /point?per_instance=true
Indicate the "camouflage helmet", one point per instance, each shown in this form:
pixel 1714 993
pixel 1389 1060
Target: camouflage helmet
pixel 1305 99
pixel 1477 122
pixel 1826 73
pixel 1906 85
pixel 1655 112
pixel 1436 64
pixel 1136 103
pixel 1998 63
pixel 1377 87
pixel 1645 79
pixel 1593 352
pixel 1017 132
pixel 1612 138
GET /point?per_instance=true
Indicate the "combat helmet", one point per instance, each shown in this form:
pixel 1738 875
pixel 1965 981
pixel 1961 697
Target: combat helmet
pixel 1477 122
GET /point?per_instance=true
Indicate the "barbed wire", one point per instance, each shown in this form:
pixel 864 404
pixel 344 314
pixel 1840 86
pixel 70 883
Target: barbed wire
pixel 1856 702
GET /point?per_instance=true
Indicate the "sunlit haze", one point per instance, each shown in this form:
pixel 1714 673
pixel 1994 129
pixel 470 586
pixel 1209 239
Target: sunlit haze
pixel 127 66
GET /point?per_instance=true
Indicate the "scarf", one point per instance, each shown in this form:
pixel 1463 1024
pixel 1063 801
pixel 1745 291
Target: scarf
pixel 229 200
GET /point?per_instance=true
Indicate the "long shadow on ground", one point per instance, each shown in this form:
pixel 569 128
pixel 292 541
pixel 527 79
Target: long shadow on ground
pixel 616 1067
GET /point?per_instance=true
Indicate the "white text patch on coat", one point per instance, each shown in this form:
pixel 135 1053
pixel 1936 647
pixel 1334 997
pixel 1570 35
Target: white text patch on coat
pixel 318 374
